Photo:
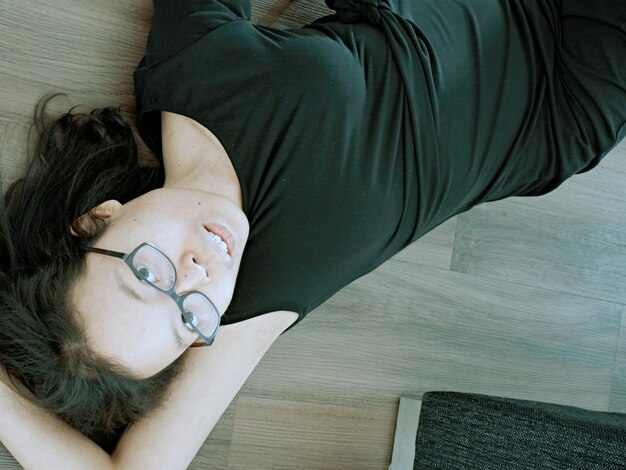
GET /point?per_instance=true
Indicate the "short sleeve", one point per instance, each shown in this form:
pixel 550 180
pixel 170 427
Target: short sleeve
pixel 176 24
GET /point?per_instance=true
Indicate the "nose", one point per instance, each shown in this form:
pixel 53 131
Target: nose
pixel 194 272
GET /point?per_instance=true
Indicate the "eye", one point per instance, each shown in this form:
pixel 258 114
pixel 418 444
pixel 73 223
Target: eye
pixel 146 275
pixel 153 267
pixel 191 318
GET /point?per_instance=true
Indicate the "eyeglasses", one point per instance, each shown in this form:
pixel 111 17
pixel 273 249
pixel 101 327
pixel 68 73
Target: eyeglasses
pixel 151 266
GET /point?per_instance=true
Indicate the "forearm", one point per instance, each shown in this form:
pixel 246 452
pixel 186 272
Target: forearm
pixel 167 437
pixel 171 435
pixel 39 439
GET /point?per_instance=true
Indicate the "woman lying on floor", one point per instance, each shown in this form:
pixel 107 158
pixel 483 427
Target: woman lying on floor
pixel 294 161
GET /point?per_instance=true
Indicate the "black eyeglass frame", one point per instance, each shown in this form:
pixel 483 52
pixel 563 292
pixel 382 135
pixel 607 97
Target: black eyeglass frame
pixel 171 293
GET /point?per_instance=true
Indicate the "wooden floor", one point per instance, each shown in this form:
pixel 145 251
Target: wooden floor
pixel 522 298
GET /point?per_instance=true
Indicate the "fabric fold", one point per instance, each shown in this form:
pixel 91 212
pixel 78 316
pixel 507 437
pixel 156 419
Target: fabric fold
pixel 356 11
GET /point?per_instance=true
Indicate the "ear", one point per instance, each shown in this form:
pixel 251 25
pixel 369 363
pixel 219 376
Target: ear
pixel 106 210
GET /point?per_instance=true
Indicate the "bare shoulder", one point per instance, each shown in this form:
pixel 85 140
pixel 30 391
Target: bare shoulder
pixel 178 126
pixel 242 344
pixel 249 339
pixel 271 324
pixel 172 121
pixel 184 145
pixel 190 150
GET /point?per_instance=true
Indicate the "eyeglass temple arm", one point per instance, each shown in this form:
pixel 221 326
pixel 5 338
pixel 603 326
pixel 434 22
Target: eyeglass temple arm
pixel 117 254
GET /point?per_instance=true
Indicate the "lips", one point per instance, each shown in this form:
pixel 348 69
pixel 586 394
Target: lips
pixel 224 234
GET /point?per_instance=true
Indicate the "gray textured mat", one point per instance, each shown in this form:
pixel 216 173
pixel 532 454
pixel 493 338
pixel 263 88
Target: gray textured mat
pixel 458 430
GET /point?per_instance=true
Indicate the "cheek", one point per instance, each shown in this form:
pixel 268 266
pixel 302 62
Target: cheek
pixel 138 339
pixel 151 326
pixel 224 295
pixel 150 343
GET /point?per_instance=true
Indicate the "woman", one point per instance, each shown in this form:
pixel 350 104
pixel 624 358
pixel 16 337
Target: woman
pixel 295 161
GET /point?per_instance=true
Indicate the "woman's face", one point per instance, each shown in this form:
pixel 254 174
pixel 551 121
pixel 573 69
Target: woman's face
pixel 130 322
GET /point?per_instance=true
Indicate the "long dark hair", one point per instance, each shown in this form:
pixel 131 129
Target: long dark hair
pixel 80 160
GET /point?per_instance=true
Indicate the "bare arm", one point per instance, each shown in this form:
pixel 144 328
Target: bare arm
pixel 39 439
pixel 168 437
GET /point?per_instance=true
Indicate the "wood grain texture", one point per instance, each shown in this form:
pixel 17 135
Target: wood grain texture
pixel 571 240
pixel 409 329
pixel 522 298
pixel 279 434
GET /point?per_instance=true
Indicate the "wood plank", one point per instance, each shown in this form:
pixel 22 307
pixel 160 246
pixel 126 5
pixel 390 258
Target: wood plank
pixel 434 249
pixel 7 462
pixel 571 240
pixel 13 141
pixel 281 434
pixel 408 329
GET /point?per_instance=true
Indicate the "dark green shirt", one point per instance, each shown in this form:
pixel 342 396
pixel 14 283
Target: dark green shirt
pixel 357 134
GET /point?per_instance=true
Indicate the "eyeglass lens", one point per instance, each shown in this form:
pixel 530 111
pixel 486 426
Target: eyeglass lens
pixel 204 316
pixel 155 268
